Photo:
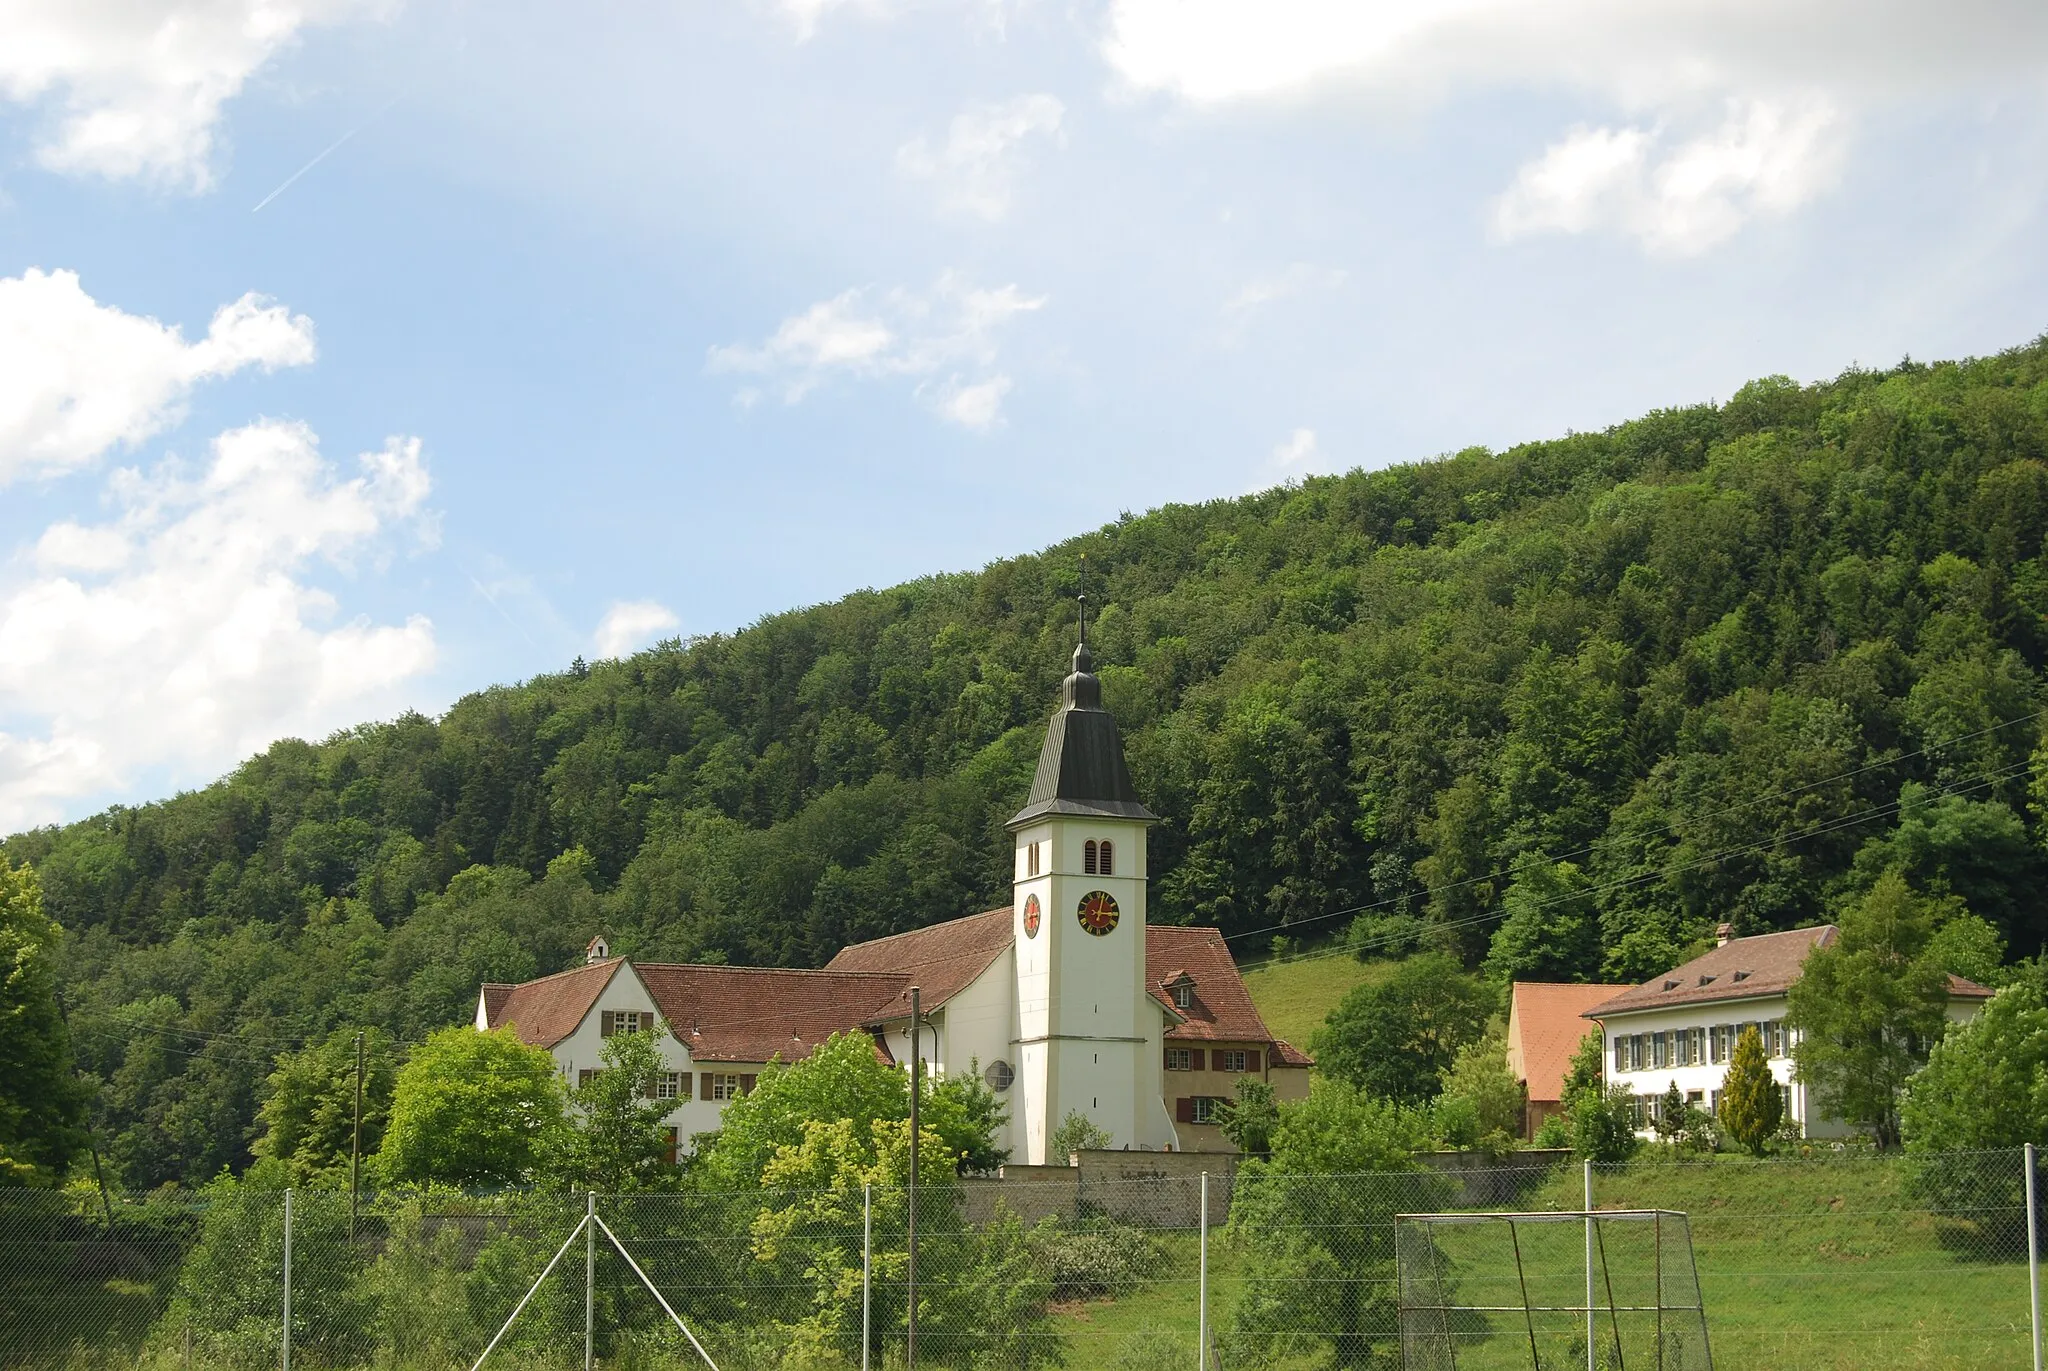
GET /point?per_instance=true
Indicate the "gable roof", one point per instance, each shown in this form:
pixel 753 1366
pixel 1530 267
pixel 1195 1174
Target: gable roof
pixel 1222 1009
pixel 941 960
pixel 1545 1027
pixel 547 1010
pixel 1741 969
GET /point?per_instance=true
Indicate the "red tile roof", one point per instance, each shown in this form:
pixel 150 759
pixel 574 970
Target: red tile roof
pixel 749 1014
pixel 547 1010
pixel 1740 969
pixel 941 960
pixel 1545 1027
pixel 1222 1009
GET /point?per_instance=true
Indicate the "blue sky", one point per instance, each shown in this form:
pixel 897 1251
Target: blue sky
pixel 656 317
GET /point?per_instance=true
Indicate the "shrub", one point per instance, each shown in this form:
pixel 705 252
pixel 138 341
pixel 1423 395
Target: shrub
pixel 1097 1259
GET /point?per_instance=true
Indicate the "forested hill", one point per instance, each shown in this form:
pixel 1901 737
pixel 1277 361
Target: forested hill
pixel 1720 663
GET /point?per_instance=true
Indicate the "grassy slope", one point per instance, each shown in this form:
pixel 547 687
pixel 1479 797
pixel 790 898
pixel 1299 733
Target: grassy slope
pixel 1293 997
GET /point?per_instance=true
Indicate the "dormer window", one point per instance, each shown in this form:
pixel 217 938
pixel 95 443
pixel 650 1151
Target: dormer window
pixel 1742 975
pixel 1184 995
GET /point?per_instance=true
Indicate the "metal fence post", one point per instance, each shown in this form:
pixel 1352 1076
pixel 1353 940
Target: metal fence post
pixel 1202 1287
pixel 589 1279
pixel 867 1266
pixel 2033 1260
pixel 1591 1365
pixel 288 1279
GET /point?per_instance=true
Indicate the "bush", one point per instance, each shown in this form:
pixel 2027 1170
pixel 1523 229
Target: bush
pixel 1098 1259
pixel 1603 1124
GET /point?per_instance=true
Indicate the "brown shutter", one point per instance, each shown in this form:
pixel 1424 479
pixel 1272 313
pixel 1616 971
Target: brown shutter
pixel 1184 1109
pixel 1251 1060
pixel 1195 1059
pixel 747 1084
pixel 704 1085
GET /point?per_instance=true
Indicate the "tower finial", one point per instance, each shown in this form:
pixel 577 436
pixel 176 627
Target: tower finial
pixel 1082 599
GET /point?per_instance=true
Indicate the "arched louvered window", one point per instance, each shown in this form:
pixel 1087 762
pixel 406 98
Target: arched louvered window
pixel 1105 860
pixel 1088 857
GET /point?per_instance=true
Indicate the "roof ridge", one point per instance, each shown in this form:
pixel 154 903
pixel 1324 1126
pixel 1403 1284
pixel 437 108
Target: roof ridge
pixel 910 932
pixel 612 962
pixel 759 970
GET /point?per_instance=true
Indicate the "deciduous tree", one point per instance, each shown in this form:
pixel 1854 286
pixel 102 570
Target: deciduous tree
pixel 474 1109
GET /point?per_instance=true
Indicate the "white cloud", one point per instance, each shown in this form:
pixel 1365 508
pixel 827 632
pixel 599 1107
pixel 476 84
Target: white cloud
pixel 1786 79
pixel 805 17
pixel 1765 158
pixel 184 634
pixel 976 406
pixel 84 377
pixel 974 167
pixel 133 89
pixel 865 334
pixel 1297 451
pixel 1296 278
pixel 629 624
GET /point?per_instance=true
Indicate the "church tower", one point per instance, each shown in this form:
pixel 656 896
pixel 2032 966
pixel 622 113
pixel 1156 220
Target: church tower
pixel 1090 1033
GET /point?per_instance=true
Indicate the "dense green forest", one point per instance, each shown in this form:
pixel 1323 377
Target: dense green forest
pixel 1558 709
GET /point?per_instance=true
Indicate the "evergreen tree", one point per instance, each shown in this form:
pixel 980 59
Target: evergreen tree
pixel 42 1107
pixel 1751 1106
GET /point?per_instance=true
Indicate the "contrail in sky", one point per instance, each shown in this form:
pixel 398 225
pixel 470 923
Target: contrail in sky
pixel 324 151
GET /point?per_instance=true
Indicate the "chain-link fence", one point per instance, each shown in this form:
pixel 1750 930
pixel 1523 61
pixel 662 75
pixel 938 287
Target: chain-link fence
pixel 1831 1262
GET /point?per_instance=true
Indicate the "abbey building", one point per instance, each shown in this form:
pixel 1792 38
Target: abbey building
pixel 1066 1001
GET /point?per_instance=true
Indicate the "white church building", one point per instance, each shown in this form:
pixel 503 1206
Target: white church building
pixel 1066 1001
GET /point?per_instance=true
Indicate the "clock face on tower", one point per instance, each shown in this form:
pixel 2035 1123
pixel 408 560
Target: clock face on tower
pixel 1030 916
pixel 1098 912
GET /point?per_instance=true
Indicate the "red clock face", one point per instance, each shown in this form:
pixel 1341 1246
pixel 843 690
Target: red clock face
pixel 1030 916
pixel 1098 912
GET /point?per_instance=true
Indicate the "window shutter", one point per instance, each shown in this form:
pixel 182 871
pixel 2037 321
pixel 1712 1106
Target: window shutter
pixel 704 1085
pixel 1184 1109
pixel 1251 1060
pixel 1195 1062
pixel 747 1084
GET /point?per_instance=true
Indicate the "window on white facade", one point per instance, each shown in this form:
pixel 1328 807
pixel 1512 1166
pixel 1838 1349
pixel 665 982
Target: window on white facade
pixel 614 1021
pixel 1208 1109
pixel 1660 1048
pixel 1774 1037
pixel 1031 861
pixel 725 1087
pixel 1621 1054
pixel 666 1085
pixel 1635 1052
pixel 1088 857
pixel 586 1076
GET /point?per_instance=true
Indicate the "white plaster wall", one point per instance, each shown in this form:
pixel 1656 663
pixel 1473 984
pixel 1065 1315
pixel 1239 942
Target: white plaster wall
pixel 583 1049
pixel 979 1025
pixel 1708 1077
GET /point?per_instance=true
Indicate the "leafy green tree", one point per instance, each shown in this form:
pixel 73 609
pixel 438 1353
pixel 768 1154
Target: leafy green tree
pixel 473 1109
pixel 42 1107
pixel 1985 1085
pixel 618 1142
pixel 1483 1102
pixel 1397 1036
pixel 1603 1124
pixel 1250 1118
pixel 844 1078
pixel 1751 1105
pixel 1586 1069
pixel 1076 1133
pixel 1869 1008
pixel 309 1116
pixel 1552 928
pixel 1315 1222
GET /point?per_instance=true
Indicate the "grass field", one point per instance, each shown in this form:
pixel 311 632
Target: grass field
pixel 1294 997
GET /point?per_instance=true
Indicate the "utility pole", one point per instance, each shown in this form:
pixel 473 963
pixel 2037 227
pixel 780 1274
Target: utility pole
pixel 910 1227
pixel 355 1146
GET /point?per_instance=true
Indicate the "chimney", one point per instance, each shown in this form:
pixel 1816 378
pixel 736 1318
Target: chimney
pixel 1722 933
